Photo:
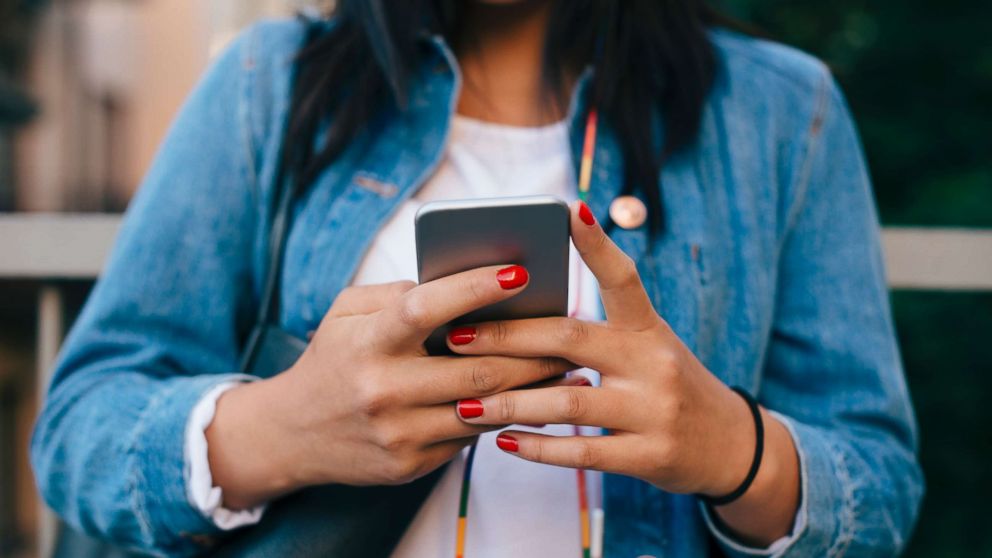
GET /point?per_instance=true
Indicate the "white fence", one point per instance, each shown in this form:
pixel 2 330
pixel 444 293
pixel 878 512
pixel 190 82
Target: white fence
pixel 50 248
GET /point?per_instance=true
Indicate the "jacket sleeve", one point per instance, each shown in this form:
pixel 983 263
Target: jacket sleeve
pixel 162 327
pixel 833 371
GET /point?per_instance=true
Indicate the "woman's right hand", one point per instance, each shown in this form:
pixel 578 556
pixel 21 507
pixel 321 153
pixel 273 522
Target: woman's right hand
pixel 365 404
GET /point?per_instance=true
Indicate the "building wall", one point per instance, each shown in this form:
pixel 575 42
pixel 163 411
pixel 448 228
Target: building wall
pixel 110 76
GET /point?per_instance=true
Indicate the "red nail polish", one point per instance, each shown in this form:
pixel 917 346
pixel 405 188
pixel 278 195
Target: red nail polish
pixel 586 214
pixel 508 443
pixel 462 335
pixel 583 382
pixel 512 277
pixel 470 408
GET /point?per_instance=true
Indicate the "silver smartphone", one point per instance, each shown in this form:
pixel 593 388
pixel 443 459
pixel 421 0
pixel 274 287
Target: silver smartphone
pixel 532 231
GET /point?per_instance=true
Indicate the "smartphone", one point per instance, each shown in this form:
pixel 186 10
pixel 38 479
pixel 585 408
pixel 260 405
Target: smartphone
pixel 532 231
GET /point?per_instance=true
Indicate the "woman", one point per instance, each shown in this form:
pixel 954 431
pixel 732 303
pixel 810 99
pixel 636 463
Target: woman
pixel 758 267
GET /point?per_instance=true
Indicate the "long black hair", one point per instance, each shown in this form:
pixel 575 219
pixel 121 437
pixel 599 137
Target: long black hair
pixel 650 58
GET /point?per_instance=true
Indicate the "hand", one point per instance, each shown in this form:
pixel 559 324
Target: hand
pixel 365 404
pixel 671 422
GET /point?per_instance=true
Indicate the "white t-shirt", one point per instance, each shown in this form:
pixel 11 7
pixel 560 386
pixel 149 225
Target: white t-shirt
pixel 516 508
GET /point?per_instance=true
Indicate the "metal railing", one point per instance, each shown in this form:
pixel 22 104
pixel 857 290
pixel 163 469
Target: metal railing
pixel 48 249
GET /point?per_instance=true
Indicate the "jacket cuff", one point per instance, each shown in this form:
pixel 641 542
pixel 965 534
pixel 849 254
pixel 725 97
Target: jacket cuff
pixel 818 524
pixel 160 485
pixel 205 497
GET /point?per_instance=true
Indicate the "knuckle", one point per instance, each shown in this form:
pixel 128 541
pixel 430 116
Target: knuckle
pixel 668 363
pixel 400 288
pixel 374 397
pixel 402 469
pixel 572 332
pixel 390 439
pixel 499 333
pixel 549 367
pixel 537 450
pixel 601 242
pixel 672 408
pixel 585 455
pixel 484 378
pixel 570 405
pixel 505 409
pixel 414 310
pixel 629 277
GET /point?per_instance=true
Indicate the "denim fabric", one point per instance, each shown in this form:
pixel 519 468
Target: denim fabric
pixel 769 269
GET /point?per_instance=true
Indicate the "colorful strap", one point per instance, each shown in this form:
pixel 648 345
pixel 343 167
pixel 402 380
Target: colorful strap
pixel 588 154
pixel 584 525
pixel 585 179
pixel 463 503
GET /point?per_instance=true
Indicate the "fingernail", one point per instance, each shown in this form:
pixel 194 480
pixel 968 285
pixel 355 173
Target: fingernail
pixel 462 335
pixel 470 408
pixel 586 214
pixel 583 382
pixel 512 277
pixel 508 443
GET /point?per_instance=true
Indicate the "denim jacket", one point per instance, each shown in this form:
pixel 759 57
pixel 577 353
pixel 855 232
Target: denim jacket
pixel 769 269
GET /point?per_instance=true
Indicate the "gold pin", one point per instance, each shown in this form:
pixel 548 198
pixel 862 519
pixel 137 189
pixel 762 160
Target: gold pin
pixel 628 212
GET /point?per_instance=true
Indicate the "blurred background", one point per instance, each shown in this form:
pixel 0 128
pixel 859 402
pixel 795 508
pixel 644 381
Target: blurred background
pixel 88 87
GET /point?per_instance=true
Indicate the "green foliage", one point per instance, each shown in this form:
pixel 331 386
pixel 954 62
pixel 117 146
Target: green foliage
pixel 945 343
pixel 918 76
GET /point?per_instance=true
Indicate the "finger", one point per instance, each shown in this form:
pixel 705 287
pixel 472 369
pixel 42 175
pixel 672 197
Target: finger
pixel 368 299
pixel 447 379
pixel 582 406
pixel 626 303
pixel 442 452
pixel 589 344
pixel 574 380
pixel 429 459
pixel 439 424
pixel 598 453
pixel 426 307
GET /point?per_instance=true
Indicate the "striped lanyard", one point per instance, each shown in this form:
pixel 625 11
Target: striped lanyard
pixel 585 178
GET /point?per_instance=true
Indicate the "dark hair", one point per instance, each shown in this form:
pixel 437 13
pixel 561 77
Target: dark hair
pixel 654 57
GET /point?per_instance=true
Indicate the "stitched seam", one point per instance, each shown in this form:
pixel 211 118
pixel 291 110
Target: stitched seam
pixel 733 43
pixel 897 538
pixel 135 476
pixel 248 64
pixel 847 515
pixel 814 134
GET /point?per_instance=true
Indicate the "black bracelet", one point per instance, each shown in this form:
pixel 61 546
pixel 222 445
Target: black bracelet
pixel 759 450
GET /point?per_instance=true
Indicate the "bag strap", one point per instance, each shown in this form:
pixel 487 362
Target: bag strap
pixel 268 306
pixel 278 230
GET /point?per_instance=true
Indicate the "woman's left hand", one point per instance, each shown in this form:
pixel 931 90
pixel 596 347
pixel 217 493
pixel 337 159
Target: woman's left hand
pixel 670 421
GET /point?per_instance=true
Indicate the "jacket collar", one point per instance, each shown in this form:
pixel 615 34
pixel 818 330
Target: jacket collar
pixel 433 101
